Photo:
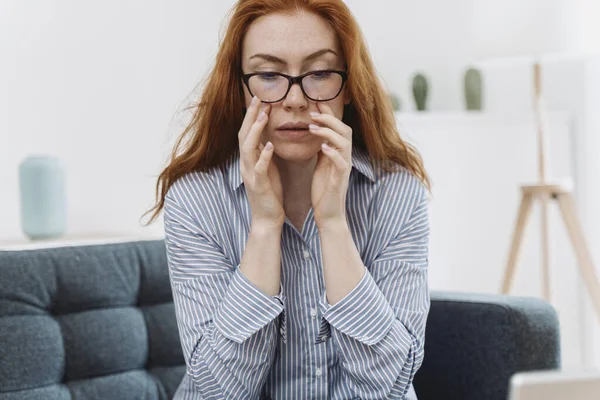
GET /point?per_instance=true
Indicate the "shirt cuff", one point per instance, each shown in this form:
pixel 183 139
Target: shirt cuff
pixel 283 316
pixel 245 309
pixel 363 314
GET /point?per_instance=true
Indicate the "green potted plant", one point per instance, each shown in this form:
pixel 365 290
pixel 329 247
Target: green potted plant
pixel 420 88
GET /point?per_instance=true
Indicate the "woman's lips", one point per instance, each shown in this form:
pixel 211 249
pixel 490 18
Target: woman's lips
pixel 293 134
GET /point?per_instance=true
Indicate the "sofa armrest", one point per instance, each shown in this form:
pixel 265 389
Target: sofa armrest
pixel 474 343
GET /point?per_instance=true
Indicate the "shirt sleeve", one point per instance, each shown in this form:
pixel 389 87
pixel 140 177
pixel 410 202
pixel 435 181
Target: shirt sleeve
pixel 379 326
pixel 227 326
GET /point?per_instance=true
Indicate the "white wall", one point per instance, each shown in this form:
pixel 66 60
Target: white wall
pixel 100 85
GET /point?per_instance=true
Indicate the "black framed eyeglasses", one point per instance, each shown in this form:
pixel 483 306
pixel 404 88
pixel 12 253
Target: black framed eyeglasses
pixel 272 87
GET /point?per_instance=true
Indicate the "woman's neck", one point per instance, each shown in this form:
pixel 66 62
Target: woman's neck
pixel 296 181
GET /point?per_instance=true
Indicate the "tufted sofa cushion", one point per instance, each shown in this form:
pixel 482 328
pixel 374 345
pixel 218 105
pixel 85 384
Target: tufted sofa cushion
pixel 88 322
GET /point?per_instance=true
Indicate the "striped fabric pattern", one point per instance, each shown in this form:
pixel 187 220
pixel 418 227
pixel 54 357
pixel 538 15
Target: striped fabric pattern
pixel 240 343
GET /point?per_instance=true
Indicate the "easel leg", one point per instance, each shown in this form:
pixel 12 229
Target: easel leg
pixel 545 249
pixel 588 272
pixel 517 240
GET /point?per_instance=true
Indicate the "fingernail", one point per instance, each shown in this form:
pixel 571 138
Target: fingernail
pixel 269 146
pixel 314 114
pixel 261 116
pixel 325 147
pixel 254 100
pixel 313 127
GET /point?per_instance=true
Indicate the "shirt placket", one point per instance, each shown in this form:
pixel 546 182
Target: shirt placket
pixel 318 355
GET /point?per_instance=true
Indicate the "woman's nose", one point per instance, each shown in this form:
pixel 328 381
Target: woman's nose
pixel 295 98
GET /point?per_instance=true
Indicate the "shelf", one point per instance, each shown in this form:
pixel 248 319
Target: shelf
pixel 479 117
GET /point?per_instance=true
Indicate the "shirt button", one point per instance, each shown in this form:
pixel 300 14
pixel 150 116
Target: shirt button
pixel 306 254
pixel 313 313
pixel 318 372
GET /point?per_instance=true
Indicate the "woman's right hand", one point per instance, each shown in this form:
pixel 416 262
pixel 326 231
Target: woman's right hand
pixel 259 173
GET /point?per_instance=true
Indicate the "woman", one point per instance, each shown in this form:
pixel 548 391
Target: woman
pixel 296 218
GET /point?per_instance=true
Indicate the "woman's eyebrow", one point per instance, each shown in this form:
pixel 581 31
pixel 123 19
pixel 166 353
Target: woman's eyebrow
pixel 278 60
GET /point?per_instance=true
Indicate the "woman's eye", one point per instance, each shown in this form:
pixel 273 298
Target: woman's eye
pixel 268 76
pixel 321 75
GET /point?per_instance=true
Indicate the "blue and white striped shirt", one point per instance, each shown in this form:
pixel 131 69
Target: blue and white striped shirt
pixel 240 343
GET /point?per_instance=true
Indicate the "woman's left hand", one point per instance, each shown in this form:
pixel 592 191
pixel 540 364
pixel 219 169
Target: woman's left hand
pixel 330 179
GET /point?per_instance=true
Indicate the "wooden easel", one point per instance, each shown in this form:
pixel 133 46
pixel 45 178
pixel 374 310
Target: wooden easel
pixel 544 191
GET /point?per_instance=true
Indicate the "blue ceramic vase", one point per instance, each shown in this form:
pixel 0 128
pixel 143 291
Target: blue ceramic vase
pixel 42 185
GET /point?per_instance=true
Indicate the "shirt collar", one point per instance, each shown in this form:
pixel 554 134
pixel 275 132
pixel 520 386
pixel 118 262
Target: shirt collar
pixel 360 162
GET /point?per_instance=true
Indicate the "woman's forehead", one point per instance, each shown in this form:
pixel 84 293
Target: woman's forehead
pixel 290 37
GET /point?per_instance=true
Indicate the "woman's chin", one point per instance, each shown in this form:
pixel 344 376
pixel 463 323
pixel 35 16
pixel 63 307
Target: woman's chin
pixel 296 152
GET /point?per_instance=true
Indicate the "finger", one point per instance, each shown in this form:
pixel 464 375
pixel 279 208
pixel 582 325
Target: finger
pixel 324 108
pixel 332 122
pixel 249 118
pixel 262 165
pixel 252 141
pixel 335 156
pixel 253 137
pixel 334 138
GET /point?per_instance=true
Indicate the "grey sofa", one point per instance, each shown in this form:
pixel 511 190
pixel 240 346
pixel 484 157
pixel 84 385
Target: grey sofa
pixel 97 322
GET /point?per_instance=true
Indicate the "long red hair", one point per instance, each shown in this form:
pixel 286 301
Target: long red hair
pixel 221 105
